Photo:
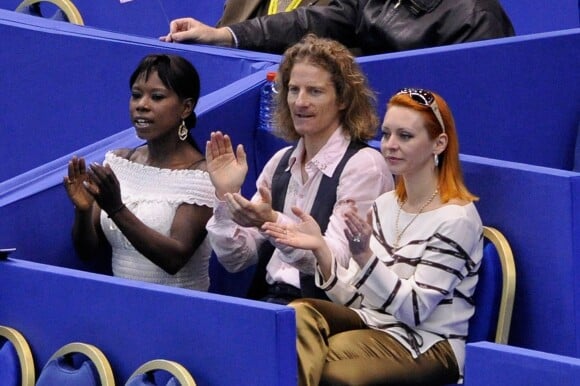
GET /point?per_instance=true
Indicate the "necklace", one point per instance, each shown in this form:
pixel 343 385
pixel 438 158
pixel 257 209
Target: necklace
pixel 400 234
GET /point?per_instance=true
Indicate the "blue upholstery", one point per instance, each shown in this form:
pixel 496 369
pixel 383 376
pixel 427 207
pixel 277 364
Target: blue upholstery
pixel 141 380
pixel 77 364
pixel 494 294
pixel 9 365
pixel 60 15
pixel 34 10
pixel 148 379
pixel 172 382
pixel 487 296
pixel 577 152
pixel 161 372
pixel 65 10
pixel 16 361
pixel 495 291
pixel 491 364
pixel 63 372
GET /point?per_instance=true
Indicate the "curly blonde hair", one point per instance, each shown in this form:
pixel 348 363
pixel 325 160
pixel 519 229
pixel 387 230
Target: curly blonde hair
pixel 359 118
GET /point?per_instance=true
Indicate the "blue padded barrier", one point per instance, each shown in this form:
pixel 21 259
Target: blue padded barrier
pixel 150 17
pixel 512 98
pixel 66 86
pixel 137 17
pixel 501 365
pixel 538 211
pixel 535 16
pixel 220 340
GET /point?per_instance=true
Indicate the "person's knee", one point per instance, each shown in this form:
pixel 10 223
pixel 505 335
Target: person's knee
pixel 300 304
pixel 308 316
pixel 303 309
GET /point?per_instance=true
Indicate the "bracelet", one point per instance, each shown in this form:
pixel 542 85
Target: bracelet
pixel 113 212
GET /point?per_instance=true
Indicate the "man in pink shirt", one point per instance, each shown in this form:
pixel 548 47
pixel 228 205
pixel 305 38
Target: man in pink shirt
pixel 326 106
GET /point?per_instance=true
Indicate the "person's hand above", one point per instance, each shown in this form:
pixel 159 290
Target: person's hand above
pixel 189 30
pixel 104 187
pixel 304 235
pixel 251 214
pixel 74 184
pixel 227 170
pixel 358 233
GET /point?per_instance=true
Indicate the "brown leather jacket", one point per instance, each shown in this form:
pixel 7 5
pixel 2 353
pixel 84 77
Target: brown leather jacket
pixel 236 11
pixel 379 26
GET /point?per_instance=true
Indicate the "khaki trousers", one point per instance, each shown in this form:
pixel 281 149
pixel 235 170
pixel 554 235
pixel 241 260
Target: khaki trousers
pixel 335 347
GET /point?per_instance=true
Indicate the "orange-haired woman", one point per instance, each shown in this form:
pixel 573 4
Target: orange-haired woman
pixel 400 310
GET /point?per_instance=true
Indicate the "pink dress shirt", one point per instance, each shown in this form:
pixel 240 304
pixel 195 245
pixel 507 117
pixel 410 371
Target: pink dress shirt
pixel 364 178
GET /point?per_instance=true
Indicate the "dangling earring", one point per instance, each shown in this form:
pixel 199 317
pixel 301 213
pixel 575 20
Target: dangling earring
pixel 182 131
pixel 436 159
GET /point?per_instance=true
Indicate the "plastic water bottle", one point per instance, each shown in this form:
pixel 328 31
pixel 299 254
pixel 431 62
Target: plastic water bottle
pixel 266 143
pixel 267 102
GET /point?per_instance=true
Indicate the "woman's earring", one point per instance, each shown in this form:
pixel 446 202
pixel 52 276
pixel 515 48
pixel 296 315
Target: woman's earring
pixel 436 159
pixel 182 131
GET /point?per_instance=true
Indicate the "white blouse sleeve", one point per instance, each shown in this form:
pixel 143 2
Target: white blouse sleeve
pixel 447 260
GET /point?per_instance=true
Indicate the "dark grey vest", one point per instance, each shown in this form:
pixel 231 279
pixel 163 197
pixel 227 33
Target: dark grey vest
pixel 321 212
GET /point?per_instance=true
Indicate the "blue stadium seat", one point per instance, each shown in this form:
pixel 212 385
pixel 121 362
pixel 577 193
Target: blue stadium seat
pixel 495 292
pixel 66 10
pixel 16 361
pixel 145 374
pixel 77 364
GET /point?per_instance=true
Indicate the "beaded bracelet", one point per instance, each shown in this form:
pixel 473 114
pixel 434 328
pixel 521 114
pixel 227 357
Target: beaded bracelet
pixel 113 212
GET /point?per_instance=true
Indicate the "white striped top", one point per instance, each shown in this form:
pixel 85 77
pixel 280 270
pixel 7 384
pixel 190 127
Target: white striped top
pixel 420 293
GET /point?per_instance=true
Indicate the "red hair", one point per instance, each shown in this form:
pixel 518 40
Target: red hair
pixel 451 185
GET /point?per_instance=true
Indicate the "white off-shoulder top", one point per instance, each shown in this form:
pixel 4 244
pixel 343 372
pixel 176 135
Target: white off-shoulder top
pixel 153 195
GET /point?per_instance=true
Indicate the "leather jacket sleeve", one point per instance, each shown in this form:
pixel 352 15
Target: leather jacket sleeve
pixel 274 33
pixel 379 26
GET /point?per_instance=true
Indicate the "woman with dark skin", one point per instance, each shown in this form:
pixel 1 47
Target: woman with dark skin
pixel 151 203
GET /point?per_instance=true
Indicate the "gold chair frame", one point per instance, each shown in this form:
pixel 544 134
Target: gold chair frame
pixel 69 9
pixel 508 282
pixel 174 368
pixel 94 354
pixel 24 354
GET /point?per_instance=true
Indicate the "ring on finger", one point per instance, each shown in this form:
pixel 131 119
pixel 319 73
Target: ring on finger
pixel 356 238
